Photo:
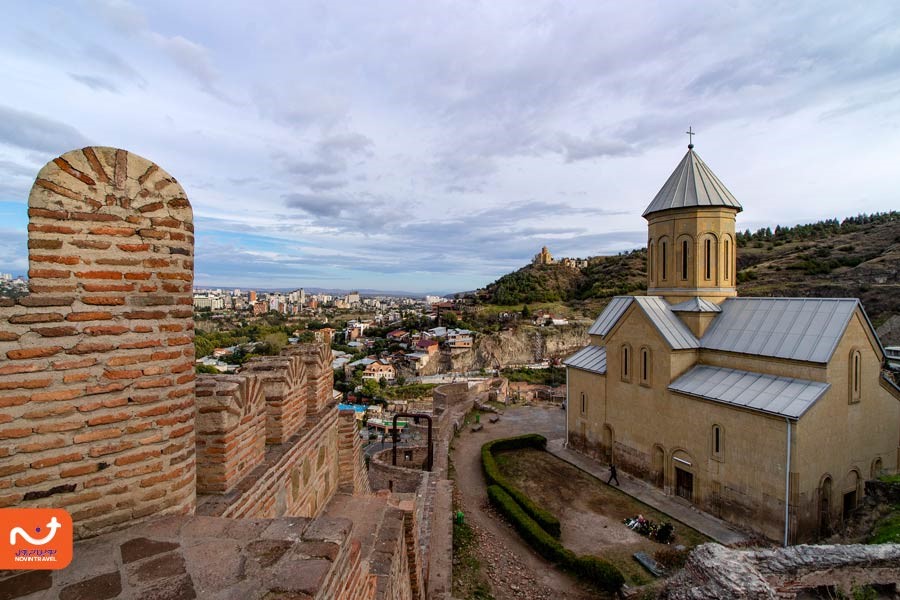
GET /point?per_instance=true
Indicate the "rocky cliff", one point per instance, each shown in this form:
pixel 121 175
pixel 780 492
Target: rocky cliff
pixel 519 346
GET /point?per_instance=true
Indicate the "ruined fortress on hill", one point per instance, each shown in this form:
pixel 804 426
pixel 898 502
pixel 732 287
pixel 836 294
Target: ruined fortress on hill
pixel 181 486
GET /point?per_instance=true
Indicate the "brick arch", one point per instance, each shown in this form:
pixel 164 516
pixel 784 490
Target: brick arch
pixel 96 364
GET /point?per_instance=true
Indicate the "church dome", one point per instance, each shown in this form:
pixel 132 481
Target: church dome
pixel 692 184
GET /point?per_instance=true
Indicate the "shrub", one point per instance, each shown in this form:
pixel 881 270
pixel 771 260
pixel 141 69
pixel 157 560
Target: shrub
pixel 671 558
pixel 492 474
pixel 592 569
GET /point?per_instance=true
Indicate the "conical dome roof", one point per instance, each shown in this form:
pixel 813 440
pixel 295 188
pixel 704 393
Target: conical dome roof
pixel 692 184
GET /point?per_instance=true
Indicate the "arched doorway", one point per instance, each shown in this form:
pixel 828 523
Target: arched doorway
pixel 609 442
pixel 876 469
pixel 825 506
pixel 851 494
pixel 658 466
pixel 683 475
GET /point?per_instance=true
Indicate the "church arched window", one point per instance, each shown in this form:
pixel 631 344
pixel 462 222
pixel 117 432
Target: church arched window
pixel 651 267
pixel 855 375
pixel 684 259
pixel 583 402
pixel 716 442
pixel 708 258
pixel 626 363
pixel 727 258
pixel 645 365
pixel 663 257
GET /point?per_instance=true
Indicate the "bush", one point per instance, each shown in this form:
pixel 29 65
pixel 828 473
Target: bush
pixel 592 569
pixel 671 558
pixel 492 474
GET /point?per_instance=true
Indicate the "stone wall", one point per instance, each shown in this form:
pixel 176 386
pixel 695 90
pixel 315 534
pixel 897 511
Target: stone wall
pixel 231 430
pixel 407 476
pixel 714 571
pixel 96 364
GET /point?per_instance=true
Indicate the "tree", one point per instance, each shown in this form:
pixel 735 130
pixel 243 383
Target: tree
pixel 526 312
pixel 370 388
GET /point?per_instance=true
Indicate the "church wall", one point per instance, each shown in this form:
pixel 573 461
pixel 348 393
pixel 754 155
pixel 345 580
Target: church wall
pixel 585 427
pixel 693 225
pixel 762 364
pixel 744 485
pixel 840 439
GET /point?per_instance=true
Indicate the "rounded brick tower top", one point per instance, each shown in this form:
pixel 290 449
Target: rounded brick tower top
pixel 96 364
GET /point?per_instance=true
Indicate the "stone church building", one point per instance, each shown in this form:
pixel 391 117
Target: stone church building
pixel 768 412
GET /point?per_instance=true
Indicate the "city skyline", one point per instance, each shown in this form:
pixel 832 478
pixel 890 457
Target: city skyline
pixel 434 148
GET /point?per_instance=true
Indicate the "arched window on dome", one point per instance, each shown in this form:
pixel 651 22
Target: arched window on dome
pixel 727 259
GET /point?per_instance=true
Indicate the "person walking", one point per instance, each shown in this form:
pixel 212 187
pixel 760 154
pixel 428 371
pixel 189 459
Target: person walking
pixel 612 475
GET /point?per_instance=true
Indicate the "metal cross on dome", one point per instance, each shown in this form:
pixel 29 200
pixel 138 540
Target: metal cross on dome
pixel 691 134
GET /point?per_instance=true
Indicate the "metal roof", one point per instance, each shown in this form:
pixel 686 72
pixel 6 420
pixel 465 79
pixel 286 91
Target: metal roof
pixel 589 358
pixel 807 329
pixel 610 315
pixel 783 396
pixel 673 330
pixel 696 304
pixel 676 333
pixel 692 184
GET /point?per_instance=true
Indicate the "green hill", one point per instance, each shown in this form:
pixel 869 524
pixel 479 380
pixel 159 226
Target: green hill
pixel 858 257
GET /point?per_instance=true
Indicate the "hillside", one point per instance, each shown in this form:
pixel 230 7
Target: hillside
pixel 858 257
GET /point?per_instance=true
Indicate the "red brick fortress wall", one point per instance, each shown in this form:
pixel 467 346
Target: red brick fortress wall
pixel 96 365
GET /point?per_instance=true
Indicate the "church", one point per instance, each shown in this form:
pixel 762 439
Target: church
pixel 767 412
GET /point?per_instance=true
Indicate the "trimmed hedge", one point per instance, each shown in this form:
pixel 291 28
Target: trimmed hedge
pixel 544 518
pixel 590 568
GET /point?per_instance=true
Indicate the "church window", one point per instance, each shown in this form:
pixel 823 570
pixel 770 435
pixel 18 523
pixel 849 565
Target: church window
pixel 650 264
pixel 626 363
pixel 716 440
pixel 664 261
pixel 583 403
pixel 684 259
pixel 645 366
pixel 855 375
pixel 727 257
pixel 708 258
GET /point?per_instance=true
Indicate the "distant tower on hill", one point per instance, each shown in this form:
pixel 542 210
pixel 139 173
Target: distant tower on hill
pixel 543 257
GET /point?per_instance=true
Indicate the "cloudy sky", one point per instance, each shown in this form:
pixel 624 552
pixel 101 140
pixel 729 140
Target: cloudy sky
pixel 433 146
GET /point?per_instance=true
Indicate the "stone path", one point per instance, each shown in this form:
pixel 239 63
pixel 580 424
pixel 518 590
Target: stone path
pixel 705 523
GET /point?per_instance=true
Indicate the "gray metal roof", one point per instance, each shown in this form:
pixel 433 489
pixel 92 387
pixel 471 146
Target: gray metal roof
pixel 807 329
pixel 673 330
pixel 696 304
pixel 610 315
pixel 692 184
pixel 676 333
pixel 589 358
pixel 783 396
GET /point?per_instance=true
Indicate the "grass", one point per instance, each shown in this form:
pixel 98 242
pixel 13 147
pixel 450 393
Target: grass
pixel 565 490
pixel 887 529
pixel 890 478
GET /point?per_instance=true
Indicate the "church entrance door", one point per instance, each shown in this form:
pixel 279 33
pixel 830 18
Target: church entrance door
pixel 684 484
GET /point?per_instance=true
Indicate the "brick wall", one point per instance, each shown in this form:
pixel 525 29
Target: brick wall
pixel 353 478
pixel 96 364
pixel 231 430
pixel 284 381
pixel 319 376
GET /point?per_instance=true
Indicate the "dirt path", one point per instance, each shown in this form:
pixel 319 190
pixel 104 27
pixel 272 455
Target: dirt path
pixel 513 569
